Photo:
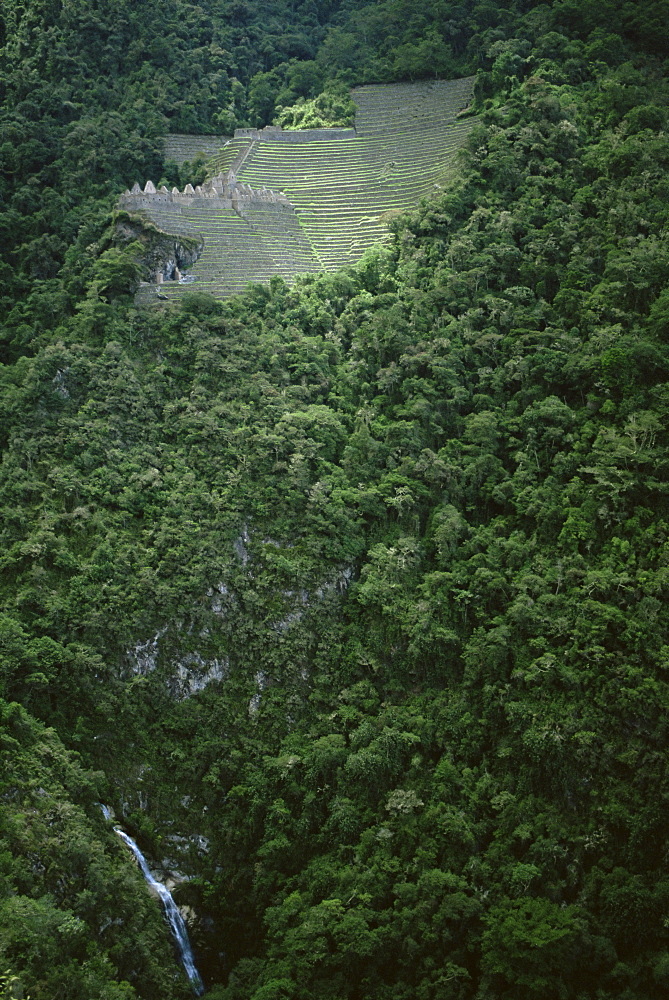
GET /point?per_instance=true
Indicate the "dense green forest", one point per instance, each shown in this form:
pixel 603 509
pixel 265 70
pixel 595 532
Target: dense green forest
pixel 349 597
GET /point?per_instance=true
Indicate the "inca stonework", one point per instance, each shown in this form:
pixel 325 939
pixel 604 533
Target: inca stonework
pixel 226 191
pixel 289 203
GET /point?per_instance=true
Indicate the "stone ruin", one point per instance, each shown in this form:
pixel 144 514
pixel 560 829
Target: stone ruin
pixel 161 205
pixel 332 220
pixel 224 188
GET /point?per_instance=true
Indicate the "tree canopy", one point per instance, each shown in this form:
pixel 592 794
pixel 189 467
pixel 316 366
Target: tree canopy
pixel 348 596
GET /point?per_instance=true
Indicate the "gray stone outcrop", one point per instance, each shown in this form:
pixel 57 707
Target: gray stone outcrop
pixel 164 256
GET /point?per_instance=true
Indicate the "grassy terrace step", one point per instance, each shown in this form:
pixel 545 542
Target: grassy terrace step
pixel 340 190
pixel 379 107
pixel 186 147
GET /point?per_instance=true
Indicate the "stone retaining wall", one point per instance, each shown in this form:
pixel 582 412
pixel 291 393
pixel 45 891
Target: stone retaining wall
pixel 273 133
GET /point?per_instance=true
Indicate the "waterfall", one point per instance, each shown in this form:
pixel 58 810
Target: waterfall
pixel 172 915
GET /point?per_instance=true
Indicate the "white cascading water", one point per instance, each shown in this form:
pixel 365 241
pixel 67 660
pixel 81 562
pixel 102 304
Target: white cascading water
pixel 172 915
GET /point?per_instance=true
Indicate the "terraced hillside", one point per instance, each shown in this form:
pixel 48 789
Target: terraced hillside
pixel 186 147
pixel 343 191
pixel 402 107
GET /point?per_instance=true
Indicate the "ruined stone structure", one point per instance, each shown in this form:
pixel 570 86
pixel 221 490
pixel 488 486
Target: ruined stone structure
pixel 224 189
pixel 244 233
pixel 284 203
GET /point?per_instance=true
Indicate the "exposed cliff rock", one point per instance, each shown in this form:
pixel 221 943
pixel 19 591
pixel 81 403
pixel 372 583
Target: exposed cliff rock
pixel 164 256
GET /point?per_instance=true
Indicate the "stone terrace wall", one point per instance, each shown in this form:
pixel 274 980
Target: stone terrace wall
pixel 273 133
pixel 244 234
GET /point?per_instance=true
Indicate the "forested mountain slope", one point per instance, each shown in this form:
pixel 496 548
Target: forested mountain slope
pixel 350 598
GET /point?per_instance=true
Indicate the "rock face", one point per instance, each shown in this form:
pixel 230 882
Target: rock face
pixel 165 256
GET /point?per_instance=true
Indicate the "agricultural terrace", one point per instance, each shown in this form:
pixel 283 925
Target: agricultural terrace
pixel 182 148
pixel 343 191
